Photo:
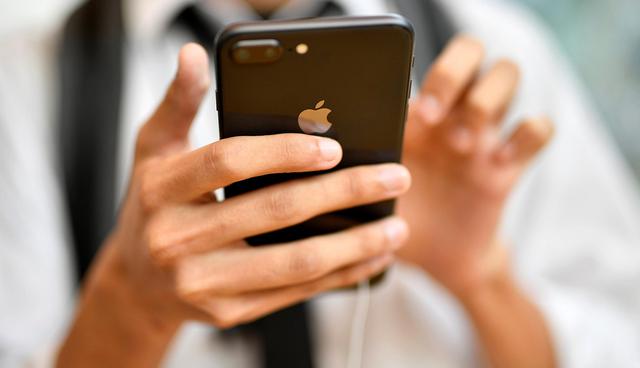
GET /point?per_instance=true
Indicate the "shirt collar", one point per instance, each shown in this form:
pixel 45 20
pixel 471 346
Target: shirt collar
pixel 149 19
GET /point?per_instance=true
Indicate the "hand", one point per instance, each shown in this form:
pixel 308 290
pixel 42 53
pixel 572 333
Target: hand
pixel 178 254
pixel 463 171
pixel 186 250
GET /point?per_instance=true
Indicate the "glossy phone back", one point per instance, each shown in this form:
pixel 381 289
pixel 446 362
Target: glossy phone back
pixel 357 67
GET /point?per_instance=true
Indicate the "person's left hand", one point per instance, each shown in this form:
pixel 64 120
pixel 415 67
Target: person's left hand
pixel 463 171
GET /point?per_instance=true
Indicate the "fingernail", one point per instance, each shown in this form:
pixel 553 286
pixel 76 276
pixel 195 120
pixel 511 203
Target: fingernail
pixel 329 149
pixel 396 232
pixel 431 109
pixel 394 178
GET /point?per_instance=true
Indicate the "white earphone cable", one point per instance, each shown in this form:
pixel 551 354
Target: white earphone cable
pixel 359 326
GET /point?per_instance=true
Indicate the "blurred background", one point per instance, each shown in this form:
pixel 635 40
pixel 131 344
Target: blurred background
pixel 601 38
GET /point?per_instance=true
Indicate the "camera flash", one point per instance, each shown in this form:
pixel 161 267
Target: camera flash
pixel 302 48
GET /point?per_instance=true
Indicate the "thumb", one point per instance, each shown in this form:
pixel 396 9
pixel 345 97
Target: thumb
pixel 168 127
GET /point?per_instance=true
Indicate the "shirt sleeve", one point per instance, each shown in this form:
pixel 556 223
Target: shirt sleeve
pixel 575 219
pixel 36 288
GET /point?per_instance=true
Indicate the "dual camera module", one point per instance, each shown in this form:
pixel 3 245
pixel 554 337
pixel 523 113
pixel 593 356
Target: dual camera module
pixel 262 51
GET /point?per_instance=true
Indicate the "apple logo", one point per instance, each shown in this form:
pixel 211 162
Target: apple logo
pixel 315 121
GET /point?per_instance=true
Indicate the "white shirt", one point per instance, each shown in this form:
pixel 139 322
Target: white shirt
pixel 573 221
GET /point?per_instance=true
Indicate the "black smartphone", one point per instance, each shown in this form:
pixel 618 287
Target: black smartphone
pixel 347 78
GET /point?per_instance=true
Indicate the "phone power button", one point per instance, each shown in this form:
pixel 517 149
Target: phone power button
pixel 217 100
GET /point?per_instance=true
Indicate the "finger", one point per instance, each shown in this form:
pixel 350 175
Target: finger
pixel 217 165
pixel 236 271
pixel 490 97
pixel 415 130
pixel 211 226
pixel 231 311
pixel 526 141
pixel 168 127
pixel 449 77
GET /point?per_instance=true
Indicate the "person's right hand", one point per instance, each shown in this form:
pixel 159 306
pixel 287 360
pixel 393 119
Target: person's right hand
pixel 182 254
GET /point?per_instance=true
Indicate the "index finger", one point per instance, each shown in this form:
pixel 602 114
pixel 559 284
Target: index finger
pixel 449 77
pixel 189 176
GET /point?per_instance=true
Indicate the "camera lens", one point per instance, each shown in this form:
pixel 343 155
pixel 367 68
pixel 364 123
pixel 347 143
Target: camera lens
pixel 243 54
pixel 270 53
pixel 256 51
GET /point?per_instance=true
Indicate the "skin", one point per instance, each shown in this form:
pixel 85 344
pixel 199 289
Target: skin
pixel 177 255
pixel 463 173
pixel 266 6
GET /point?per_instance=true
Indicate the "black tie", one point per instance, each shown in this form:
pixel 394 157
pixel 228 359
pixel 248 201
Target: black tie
pixel 91 70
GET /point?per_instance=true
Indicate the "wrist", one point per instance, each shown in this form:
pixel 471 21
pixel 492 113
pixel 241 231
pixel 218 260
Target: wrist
pixel 490 276
pixel 113 326
pixel 112 280
pixel 509 325
pixel 493 289
pixel 470 273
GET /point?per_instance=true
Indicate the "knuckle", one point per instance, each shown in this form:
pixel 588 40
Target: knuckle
pixel 293 150
pixel 477 107
pixel 186 284
pixel 166 243
pixel 182 284
pixel 282 205
pixel 157 243
pixel 148 195
pixel 216 158
pixel 186 292
pixel 304 264
pixel 223 222
pixel 355 183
